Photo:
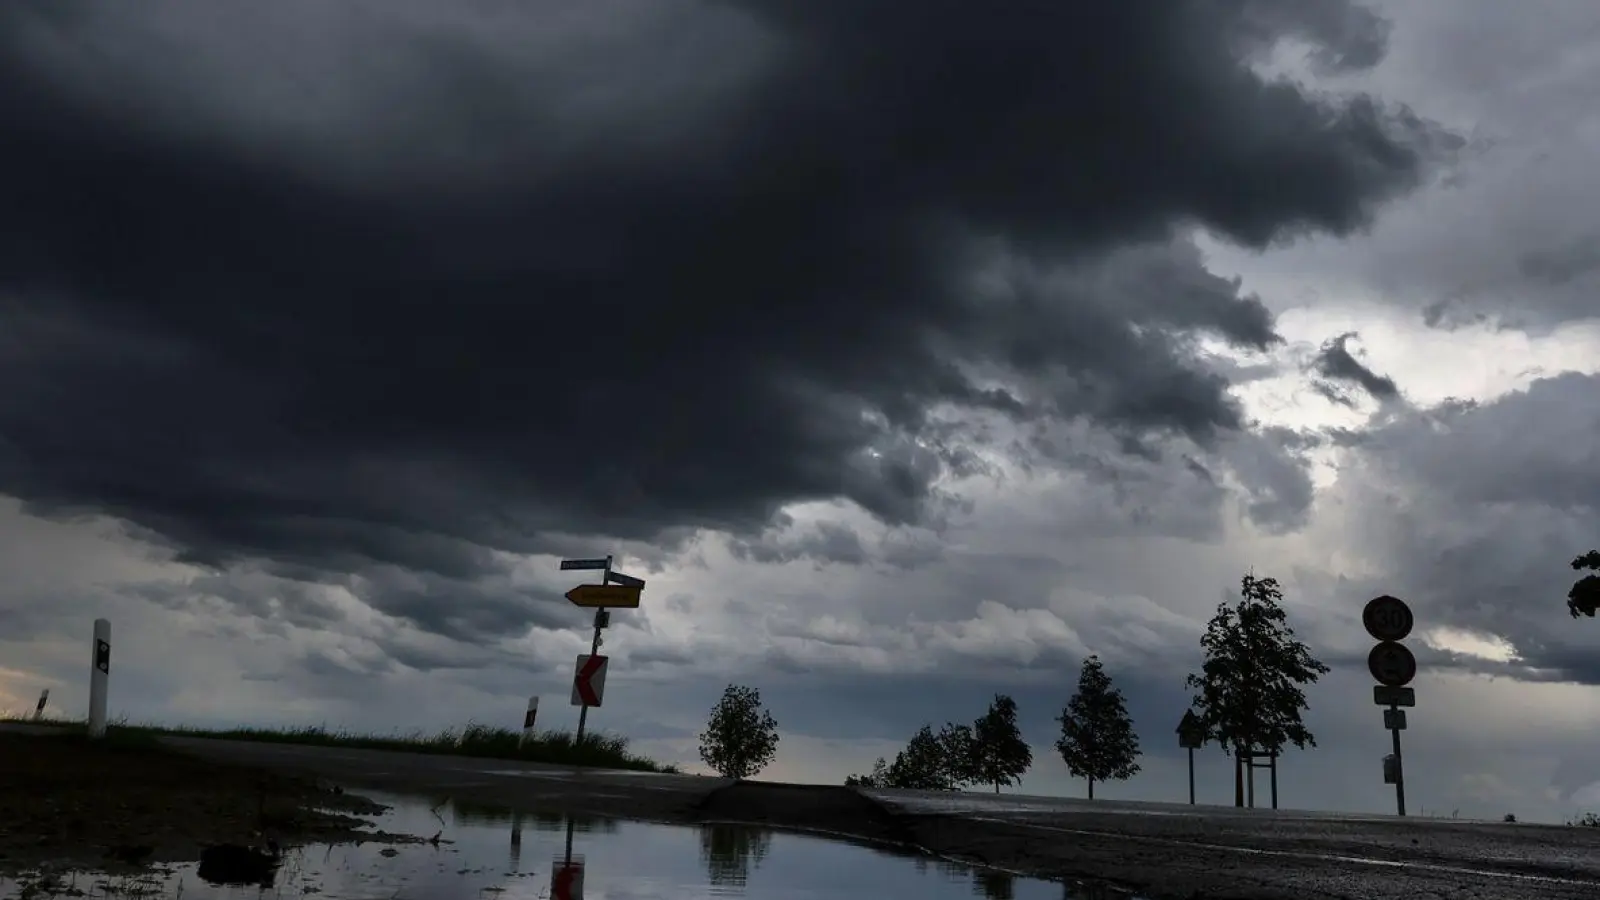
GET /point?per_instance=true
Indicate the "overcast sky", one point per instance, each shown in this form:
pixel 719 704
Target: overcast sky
pixel 911 351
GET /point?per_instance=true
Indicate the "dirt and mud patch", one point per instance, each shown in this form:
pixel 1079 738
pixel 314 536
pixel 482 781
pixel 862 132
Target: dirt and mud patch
pixel 120 804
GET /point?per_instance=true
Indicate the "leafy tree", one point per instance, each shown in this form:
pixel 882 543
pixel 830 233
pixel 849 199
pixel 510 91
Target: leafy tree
pixel 959 744
pixel 877 778
pixel 741 737
pixel 1249 688
pixel 923 765
pixel 997 754
pixel 929 762
pixel 1097 740
pixel 1585 594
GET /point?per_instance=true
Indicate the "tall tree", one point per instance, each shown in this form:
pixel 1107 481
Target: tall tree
pixel 998 753
pixel 1249 690
pixel 1097 741
pixel 741 737
pixel 1585 594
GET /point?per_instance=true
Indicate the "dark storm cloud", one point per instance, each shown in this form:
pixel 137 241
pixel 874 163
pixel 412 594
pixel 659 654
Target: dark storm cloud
pixel 1336 364
pixel 500 295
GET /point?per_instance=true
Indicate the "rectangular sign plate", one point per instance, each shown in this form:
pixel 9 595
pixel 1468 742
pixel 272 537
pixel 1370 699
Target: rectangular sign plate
pixel 625 580
pixel 594 596
pixel 1394 696
pixel 589 681
pixel 1394 719
pixel 585 563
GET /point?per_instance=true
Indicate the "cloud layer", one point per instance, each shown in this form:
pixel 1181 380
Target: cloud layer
pixel 470 298
pixel 912 357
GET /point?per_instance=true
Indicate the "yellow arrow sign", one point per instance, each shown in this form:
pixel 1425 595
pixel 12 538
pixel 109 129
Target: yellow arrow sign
pixel 612 596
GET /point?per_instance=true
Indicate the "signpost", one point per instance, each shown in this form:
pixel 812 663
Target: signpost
pixel 615 591
pixel 1191 736
pixel 1389 620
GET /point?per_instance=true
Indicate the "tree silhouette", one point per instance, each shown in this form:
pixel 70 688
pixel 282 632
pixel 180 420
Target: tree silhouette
pixel 741 737
pixel 1097 740
pixel 1249 689
pixel 998 754
pixel 929 762
pixel 728 850
pixel 1584 597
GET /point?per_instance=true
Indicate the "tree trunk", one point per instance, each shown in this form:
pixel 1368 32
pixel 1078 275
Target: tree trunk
pixel 997 787
pixel 1091 789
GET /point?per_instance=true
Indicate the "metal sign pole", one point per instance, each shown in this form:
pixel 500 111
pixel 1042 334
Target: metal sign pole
pixel 594 649
pixel 1399 769
pixel 1274 759
pixel 1191 775
pixel 1250 773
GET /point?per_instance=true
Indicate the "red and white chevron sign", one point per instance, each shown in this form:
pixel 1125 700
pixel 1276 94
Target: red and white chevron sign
pixel 589 684
pixel 566 882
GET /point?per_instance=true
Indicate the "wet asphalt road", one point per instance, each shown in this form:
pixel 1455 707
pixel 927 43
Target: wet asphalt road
pixel 1166 850
pixel 1228 852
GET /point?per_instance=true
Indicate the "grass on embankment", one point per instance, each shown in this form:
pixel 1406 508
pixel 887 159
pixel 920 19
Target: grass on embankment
pixel 601 751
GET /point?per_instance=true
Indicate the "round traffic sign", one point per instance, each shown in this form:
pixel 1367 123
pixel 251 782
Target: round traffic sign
pixel 1392 664
pixel 1387 618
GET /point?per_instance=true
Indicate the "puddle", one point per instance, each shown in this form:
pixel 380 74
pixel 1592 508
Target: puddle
pixel 496 854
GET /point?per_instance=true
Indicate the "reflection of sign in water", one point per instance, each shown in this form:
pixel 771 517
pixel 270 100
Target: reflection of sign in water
pixel 566 881
pixel 728 850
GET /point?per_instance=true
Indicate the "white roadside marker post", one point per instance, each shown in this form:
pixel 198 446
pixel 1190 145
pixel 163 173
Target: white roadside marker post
pixel 99 674
pixel 527 720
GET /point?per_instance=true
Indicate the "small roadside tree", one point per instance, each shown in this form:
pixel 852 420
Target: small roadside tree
pixel 1097 740
pixel 959 745
pixel 1249 691
pixel 929 762
pixel 876 778
pixel 998 754
pixel 741 737
pixel 1584 598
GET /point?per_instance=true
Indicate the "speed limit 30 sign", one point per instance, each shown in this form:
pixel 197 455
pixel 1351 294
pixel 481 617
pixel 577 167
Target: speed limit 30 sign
pixel 1387 618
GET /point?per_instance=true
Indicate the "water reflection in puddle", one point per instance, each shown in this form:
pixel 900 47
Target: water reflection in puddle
pixel 496 854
